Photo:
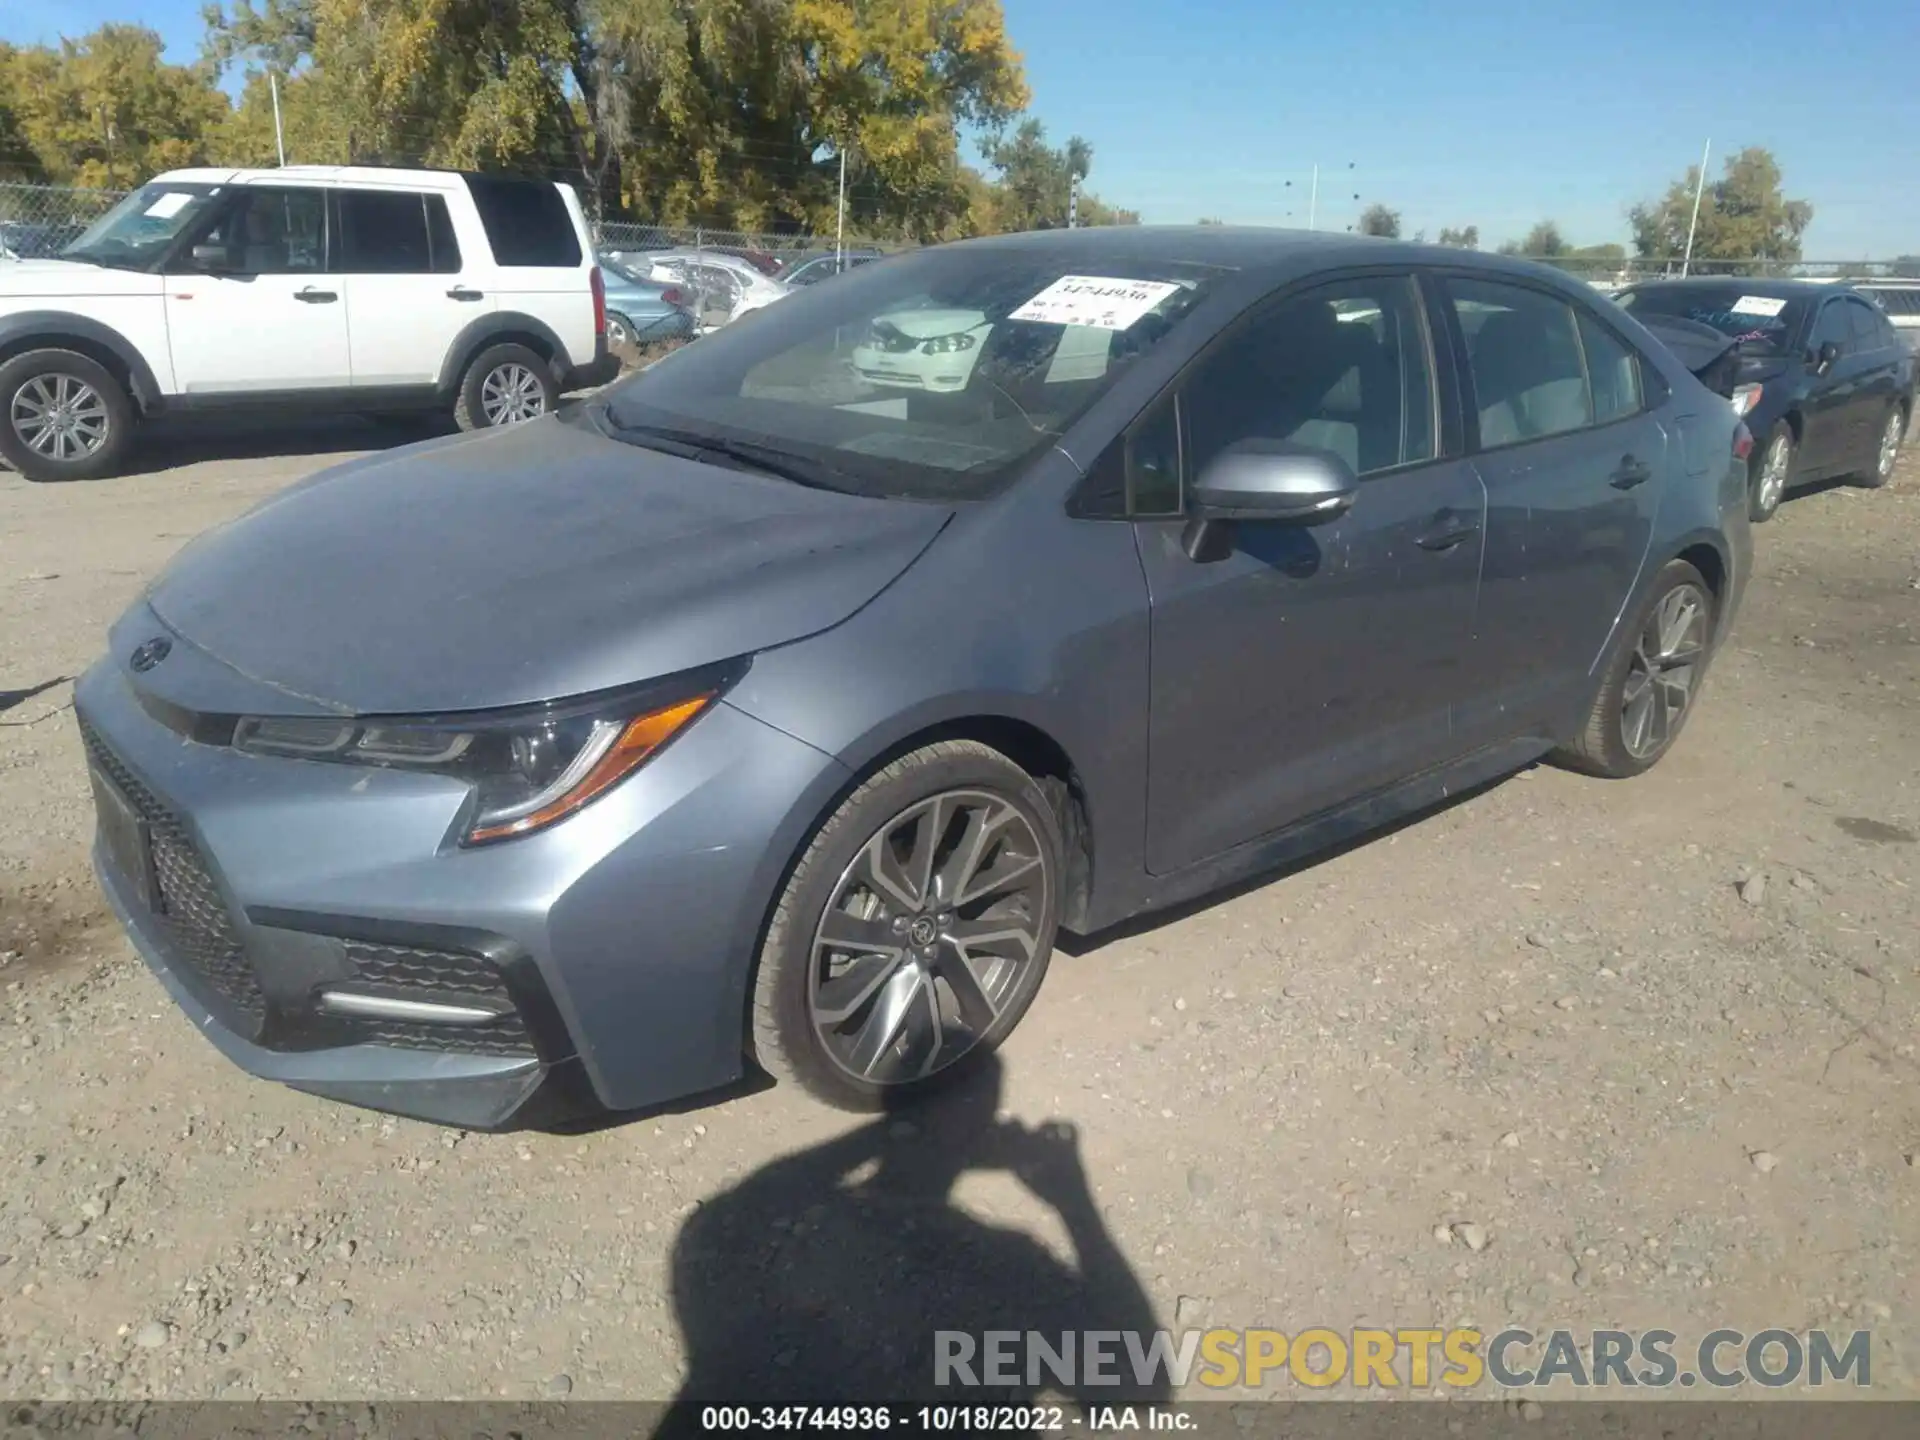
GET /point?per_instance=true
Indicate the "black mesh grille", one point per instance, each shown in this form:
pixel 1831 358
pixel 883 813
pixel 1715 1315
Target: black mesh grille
pixel 452 976
pixel 201 934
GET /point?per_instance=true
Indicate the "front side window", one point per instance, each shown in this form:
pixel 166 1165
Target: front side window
pixel 1832 328
pixel 931 377
pixel 1524 357
pixel 271 232
pixel 384 232
pixel 1343 368
pixel 1865 325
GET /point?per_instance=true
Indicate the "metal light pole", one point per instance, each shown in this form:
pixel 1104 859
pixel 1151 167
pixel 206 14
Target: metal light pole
pixel 279 138
pixel 840 221
pixel 1699 189
pixel 1073 202
pixel 1313 199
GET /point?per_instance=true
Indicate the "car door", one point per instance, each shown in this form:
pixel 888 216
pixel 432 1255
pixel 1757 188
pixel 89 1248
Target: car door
pixel 1830 416
pixel 407 300
pixel 1303 666
pixel 1877 357
pixel 1573 457
pixel 251 305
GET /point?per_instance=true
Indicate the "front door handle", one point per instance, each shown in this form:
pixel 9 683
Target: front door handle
pixel 316 297
pixel 1631 472
pixel 461 292
pixel 1449 530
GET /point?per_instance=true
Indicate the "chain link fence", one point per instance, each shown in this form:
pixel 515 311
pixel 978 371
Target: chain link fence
pixel 36 220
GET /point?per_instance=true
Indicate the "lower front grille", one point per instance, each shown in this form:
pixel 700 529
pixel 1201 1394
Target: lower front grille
pixel 453 977
pixel 188 907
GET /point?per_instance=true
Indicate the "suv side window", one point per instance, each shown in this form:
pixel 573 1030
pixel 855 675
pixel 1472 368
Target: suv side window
pixel 527 222
pixel 384 232
pixel 272 231
pixel 1525 359
pixel 1832 326
pixel 1343 367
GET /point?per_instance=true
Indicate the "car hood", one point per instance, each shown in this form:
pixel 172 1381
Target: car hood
pixel 931 324
pixel 514 567
pixel 32 279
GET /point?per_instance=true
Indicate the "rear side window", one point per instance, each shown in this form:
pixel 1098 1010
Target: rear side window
pixel 527 222
pixel 1612 369
pixel 1523 351
pixel 384 233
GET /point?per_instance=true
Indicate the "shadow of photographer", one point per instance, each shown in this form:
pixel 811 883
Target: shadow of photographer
pixel 825 1276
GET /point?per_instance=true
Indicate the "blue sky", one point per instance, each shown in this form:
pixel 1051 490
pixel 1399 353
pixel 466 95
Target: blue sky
pixel 1494 113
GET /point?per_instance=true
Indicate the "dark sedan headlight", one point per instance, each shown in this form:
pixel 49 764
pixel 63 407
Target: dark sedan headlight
pixel 527 770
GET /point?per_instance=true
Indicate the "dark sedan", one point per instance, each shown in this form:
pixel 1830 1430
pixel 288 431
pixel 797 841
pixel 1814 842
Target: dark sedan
pixel 753 715
pixel 1822 379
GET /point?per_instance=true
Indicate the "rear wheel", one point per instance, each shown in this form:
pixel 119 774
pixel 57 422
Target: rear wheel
pixel 63 416
pixel 505 385
pixel 1892 431
pixel 914 932
pixel 1772 472
pixel 1650 682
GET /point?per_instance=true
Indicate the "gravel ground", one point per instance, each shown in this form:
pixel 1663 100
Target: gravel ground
pixel 1566 1052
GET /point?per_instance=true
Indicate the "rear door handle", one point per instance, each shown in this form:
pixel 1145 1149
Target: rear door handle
pixel 461 292
pixel 1631 472
pixel 1451 530
pixel 316 297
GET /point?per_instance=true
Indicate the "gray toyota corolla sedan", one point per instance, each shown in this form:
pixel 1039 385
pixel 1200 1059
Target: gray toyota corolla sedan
pixel 772 709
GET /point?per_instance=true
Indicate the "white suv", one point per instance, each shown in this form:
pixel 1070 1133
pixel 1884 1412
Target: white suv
pixel 336 287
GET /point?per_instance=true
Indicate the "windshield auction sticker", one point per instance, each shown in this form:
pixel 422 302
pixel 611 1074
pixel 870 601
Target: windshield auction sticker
pixel 1095 301
pixel 1757 305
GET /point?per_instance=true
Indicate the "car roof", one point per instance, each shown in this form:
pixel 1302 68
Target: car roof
pixel 370 176
pixel 1765 287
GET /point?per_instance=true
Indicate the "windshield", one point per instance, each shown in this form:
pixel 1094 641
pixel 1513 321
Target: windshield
pixel 930 377
pixel 1759 324
pixel 144 223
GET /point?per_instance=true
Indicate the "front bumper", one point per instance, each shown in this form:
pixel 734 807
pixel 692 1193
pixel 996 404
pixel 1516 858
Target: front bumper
pixel 608 956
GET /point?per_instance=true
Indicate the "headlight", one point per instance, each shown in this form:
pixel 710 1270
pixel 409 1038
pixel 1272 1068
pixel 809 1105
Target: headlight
pixel 946 344
pixel 527 769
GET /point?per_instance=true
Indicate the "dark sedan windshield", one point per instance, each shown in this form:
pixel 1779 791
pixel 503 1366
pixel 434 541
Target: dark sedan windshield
pixel 1759 324
pixel 929 377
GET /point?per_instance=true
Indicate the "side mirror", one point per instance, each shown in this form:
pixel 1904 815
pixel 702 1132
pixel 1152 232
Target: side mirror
pixel 1827 355
pixel 1273 480
pixel 210 258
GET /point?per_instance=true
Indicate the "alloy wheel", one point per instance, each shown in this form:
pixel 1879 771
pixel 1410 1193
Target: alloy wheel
pixel 1664 672
pixel 60 416
pixel 931 934
pixel 616 331
pixel 1890 445
pixel 1773 471
pixel 512 393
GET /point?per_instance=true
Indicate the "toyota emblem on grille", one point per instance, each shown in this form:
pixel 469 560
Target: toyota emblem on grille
pixel 146 656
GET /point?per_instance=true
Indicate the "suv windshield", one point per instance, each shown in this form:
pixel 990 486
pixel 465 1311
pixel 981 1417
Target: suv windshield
pixel 930 377
pixel 1759 324
pixel 134 233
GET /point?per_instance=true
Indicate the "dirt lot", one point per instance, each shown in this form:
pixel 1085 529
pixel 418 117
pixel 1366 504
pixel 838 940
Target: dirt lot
pixel 1552 1013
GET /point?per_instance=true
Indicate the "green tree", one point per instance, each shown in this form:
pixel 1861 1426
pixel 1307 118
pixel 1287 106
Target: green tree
pixel 1466 238
pixel 1377 219
pixel 1209 220
pixel 1035 179
pixel 1543 242
pixel 105 110
pixel 1744 215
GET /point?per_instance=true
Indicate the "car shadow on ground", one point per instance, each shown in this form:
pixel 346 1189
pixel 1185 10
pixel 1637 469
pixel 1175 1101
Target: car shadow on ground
pixel 171 443
pixel 825 1275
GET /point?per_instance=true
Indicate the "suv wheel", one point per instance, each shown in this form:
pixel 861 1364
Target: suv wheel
pixel 62 416
pixel 913 933
pixel 504 385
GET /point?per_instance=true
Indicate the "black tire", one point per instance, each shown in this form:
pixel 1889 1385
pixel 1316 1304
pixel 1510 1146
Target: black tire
pixel 503 364
pixel 1762 500
pixel 45 375
pixel 782 1036
pixel 1602 748
pixel 1877 473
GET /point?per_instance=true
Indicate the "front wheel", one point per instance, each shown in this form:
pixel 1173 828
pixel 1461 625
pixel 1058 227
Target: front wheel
pixel 62 416
pixel 1651 680
pixel 1772 472
pixel 913 933
pixel 505 385
pixel 1892 432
